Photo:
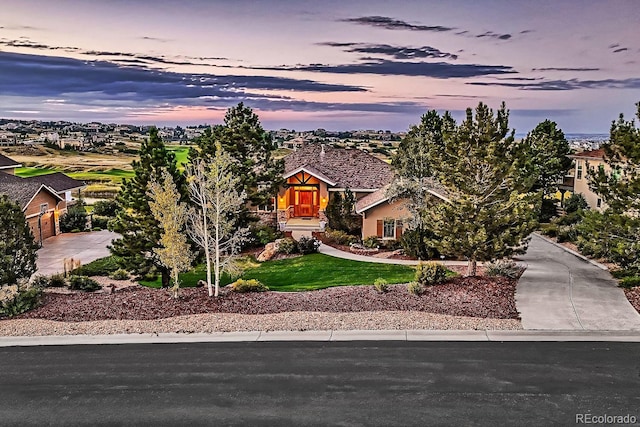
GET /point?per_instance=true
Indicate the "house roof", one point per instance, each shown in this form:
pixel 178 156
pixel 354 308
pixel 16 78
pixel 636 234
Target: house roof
pixel 7 163
pixel 590 154
pixel 341 168
pixel 58 181
pixel 22 191
pixel 380 196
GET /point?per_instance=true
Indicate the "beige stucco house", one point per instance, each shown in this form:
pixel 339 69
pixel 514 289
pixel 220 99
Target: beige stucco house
pixel 588 161
pixel 316 172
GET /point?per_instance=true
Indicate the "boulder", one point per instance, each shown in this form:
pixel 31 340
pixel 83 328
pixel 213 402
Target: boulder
pixel 270 250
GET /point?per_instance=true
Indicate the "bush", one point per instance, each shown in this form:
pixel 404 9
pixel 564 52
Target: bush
pixel 391 245
pixel 503 268
pixel 14 301
pixel 575 203
pixel 415 288
pixel 251 285
pixel 83 283
pixel 119 274
pixel 106 208
pixel 40 281
pixel 630 282
pixel 548 210
pixel 339 237
pixel 550 230
pixel 371 242
pixel 287 246
pixel 381 285
pixel 261 234
pixel 415 244
pixel 430 274
pixel 570 218
pixel 99 222
pixel 57 281
pixel 308 245
pixel 74 219
pixel 567 233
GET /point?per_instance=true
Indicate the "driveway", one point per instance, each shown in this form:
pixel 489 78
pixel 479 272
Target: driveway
pixel 86 247
pixel 563 292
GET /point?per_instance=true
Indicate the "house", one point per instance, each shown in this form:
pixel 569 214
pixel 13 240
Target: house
pixel 63 185
pixel 588 161
pixel 39 202
pixel 316 172
pixel 8 165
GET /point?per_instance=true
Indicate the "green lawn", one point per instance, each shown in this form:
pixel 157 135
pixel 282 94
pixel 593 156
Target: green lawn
pixel 29 171
pixel 181 152
pixel 309 272
pixel 112 175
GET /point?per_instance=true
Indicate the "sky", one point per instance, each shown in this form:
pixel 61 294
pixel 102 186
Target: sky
pixel 336 65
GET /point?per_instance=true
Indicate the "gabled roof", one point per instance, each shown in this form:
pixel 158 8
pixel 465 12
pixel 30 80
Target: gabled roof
pixel 22 191
pixel 378 197
pixel 591 154
pixel 339 167
pixel 7 163
pixel 58 181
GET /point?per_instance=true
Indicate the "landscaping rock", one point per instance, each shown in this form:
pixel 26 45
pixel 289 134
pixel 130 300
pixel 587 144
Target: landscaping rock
pixel 270 250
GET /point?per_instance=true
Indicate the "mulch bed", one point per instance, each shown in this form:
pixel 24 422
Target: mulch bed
pixel 633 295
pixel 462 296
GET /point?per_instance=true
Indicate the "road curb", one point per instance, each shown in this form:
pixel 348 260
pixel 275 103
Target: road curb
pixel 574 253
pixel 329 336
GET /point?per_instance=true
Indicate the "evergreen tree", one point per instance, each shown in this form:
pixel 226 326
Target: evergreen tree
pixel 140 231
pixel 18 248
pixel 549 161
pixel 251 148
pixel 490 210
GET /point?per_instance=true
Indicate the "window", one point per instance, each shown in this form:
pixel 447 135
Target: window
pixel 579 175
pixel 389 229
pixel 44 208
pixel 599 203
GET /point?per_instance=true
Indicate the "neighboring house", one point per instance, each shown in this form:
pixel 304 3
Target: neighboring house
pixel 8 165
pixel 39 202
pixel 63 185
pixel 316 172
pixel 584 162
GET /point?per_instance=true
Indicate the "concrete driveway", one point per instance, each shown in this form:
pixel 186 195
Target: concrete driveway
pixel 563 292
pixel 86 247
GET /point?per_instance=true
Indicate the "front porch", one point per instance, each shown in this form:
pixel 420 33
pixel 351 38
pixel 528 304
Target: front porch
pixel 299 227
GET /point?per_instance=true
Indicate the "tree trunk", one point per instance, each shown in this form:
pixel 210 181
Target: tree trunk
pixel 472 267
pixel 165 278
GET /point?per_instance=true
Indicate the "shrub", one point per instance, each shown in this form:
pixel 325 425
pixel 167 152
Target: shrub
pixel 630 282
pixel 99 221
pixel 550 230
pixel 308 245
pixel 106 208
pixel 119 274
pixel 503 268
pixel 548 210
pixel 339 237
pixel 622 273
pixel 415 288
pixel 83 283
pixel 261 234
pixel 371 242
pixel 391 245
pixel 567 233
pixel 381 285
pixel 251 285
pixel 575 203
pixel 40 281
pixel 74 220
pixel 415 244
pixel 57 281
pixel 430 274
pixel 14 301
pixel 287 246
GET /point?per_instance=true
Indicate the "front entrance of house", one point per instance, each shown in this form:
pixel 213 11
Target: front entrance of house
pixel 306 202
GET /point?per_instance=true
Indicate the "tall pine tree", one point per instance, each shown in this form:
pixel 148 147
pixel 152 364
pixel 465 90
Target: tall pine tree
pixel 140 231
pixel 251 148
pixel 18 248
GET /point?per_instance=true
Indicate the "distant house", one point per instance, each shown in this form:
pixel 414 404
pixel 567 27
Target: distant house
pixel 584 162
pixel 63 185
pixel 315 173
pixel 8 165
pixel 39 203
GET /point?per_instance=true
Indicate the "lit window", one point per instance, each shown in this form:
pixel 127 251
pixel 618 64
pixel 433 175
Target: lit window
pixel 389 229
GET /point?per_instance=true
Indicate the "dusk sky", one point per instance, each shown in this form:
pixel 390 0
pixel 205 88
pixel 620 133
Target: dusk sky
pixel 308 64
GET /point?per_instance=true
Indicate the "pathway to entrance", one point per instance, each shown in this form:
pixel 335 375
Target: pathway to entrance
pixel 86 247
pixel 563 292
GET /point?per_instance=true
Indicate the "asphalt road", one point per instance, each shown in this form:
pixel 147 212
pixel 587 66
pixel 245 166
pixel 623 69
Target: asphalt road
pixel 306 383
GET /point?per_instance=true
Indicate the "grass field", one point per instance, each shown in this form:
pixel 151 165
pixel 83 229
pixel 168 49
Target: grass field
pixel 309 272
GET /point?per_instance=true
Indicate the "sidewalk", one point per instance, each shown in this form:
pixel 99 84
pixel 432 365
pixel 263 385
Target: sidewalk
pixel 329 336
pixel 337 253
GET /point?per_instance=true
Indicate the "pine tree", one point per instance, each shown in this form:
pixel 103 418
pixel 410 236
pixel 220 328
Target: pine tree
pixel 18 249
pixel 251 148
pixel 140 231
pixel 549 152
pixel 490 210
